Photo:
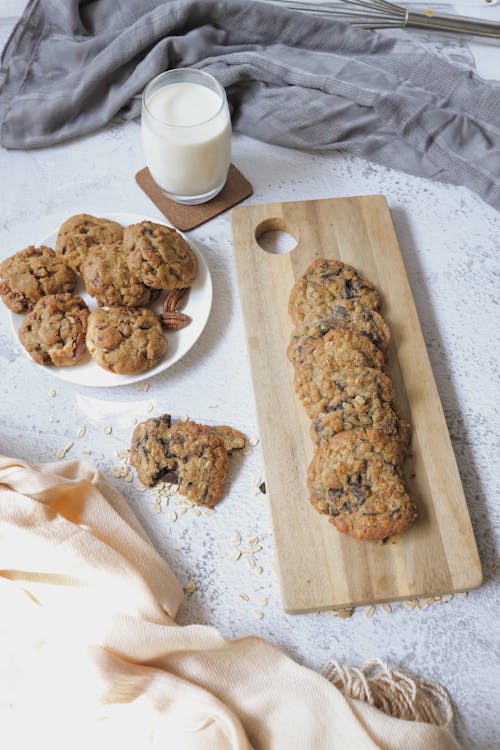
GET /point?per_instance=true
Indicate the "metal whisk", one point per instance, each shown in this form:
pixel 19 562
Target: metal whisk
pixel 382 14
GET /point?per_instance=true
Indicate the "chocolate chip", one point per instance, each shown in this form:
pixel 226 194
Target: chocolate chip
pixel 348 289
pixel 167 475
pixel 262 487
pixel 334 493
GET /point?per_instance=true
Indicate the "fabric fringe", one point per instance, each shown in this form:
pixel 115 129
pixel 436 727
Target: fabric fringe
pixel 394 691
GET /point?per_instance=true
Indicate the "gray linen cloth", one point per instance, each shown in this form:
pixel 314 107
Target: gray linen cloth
pixel 292 79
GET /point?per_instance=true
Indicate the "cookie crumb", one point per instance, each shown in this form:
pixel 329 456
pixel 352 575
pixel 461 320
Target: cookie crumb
pixel 52 393
pixel 86 453
pixel 191 587
pixel 345 613
pixel 253 442
pixel 387 608
pixel 210 512
pixel 108 430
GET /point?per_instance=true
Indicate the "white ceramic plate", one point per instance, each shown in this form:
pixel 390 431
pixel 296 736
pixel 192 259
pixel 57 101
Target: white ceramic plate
pixel 179 342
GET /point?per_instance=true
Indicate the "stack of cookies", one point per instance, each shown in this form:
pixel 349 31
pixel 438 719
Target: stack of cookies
pixel 339 350
pixel 124 269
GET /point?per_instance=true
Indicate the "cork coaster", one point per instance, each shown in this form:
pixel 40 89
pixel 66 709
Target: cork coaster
pixel 236 189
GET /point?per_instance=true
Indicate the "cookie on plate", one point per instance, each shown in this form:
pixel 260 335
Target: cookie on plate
pixel 31 274
pixel 350 314
pixel 107 277
pixel 53 332
pixel 356 479
pixel 80 233
pixel 323 283
pixel 159 255
pixel 125 340
pixel 323 391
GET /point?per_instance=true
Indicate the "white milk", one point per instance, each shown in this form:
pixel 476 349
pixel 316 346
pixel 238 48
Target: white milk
pixel 186 135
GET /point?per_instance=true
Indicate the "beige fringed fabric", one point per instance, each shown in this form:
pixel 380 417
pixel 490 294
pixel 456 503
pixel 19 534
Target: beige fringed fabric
pixel 395 692
pixel 91 656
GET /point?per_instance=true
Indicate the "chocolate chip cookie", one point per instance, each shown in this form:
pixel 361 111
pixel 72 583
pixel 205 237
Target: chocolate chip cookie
pixel 326 389
pixel 54 331
pixel 150 453
pixel 79 234
pixel 31 274
pixel 359 412
pixel 125 340
pixel 350 314
pixel 232 440
pixel 187 453
pixel 356 479
pixel 323 284
pixel 159 256
pixel 338 350
pixel 108 277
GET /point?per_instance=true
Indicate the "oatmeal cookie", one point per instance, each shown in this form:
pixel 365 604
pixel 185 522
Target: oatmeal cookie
pixel 149 452
pixel 202 462
pixel 320 358
pixel 187 453
pixel 107 276
pixel 31 274
pixel 232 440
pixel 53 333
pixel 356 479
pixel 351 413
pixel 338 349
pixel 345 313
pixel 323 283
pixel 125 340
pixel 159 255
pixel 79 234
pixel 324 389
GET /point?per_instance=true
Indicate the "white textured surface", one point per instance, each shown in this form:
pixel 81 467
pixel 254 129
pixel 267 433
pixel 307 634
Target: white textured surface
pixel 449 239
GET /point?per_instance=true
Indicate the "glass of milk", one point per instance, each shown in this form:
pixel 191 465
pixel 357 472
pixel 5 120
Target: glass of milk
pixel 186 134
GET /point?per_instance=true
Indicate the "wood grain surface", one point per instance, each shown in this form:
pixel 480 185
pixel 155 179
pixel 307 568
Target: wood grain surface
pixel 319 567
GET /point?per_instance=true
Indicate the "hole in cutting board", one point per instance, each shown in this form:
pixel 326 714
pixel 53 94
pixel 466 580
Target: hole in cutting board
pixel 272 237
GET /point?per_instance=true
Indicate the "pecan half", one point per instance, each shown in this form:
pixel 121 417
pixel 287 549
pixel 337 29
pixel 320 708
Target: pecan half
pixel 174 321
pixel 175 300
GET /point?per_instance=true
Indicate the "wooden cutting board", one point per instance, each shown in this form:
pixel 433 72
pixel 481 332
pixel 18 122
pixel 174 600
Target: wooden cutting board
pixel 319 567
